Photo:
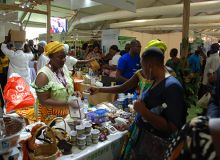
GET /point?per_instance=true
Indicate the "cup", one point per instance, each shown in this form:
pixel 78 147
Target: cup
pixel 95 133
pixel 73 135
pixel 81 140
pixel 88 127
pixel 80 129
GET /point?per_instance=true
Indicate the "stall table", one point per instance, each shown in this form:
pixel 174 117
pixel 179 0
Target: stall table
pixel 107 150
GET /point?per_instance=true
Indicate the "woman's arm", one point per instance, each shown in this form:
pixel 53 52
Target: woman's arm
pixel 44 97
pixel 155 120
pixel 7 51
pixel 120 77
pixel 131 83
pixel 85 61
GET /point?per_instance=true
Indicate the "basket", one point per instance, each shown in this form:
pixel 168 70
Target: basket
pixel 47 151
pixel 62 137
pixel 59 132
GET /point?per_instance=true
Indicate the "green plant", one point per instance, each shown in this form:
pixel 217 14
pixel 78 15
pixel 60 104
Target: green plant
pixel 191 82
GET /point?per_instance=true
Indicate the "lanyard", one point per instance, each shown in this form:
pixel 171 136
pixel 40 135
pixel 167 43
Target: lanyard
pixel 61 78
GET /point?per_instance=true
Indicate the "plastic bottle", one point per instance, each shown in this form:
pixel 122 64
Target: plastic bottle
pixel 135 96
pixel 85 105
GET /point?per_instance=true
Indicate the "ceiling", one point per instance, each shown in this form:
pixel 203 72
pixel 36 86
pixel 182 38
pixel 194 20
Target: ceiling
pixel 152 16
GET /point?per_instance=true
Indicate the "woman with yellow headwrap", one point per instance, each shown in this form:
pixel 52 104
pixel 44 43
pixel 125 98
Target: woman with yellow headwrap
pixel 137 80
pixel 53 84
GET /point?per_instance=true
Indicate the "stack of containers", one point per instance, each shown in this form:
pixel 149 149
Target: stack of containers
pixel 84 135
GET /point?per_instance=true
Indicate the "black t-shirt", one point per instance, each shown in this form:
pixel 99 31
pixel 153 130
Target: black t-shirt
pixel 170 94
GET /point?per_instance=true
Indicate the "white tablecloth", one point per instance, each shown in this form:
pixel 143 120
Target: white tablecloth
pixel 107 150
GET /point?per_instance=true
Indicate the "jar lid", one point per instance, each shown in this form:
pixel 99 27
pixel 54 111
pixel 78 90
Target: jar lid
pixel 95 131
pixel 88 135
pixel 81 137
pixel 73 133
pixel 87 125
pixel 80 127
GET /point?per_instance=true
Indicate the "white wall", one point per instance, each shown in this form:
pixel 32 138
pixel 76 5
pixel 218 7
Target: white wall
pixel 172 40
pixel 109 37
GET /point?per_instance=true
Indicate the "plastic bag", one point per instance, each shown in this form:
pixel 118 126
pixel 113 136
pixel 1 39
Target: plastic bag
pixel 17 94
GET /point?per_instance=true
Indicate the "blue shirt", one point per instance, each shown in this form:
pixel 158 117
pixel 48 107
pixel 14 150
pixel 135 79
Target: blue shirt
pixel 128 65
pixel 194 63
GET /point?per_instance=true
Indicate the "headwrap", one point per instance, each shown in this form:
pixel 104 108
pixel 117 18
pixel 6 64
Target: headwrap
pixel 42 44
pixel 157 43
pixel 53 47
pixel 66 48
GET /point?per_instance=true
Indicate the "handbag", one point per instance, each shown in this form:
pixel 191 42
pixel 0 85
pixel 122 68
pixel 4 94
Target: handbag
pixel 149 146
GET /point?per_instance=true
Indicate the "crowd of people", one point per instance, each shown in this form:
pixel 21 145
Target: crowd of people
pixel 160 128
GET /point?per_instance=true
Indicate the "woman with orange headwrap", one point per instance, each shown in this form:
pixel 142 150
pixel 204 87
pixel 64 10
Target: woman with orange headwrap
pixel 53 84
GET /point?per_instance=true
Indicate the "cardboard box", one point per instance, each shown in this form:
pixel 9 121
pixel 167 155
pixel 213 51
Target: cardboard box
pixel 18 35
pixel 99 97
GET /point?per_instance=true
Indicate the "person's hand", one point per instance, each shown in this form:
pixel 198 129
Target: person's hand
pixel 72 101
pixel 8 38
pixel 27 48
pixel 212 77
pixel 94 90
pixel 92 59
pixel 77 94
pixel 139 106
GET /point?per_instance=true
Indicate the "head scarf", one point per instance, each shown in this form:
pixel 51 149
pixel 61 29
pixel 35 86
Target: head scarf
pixel 53 47
pixel 156 43
pixel 66 48
pixel 42 44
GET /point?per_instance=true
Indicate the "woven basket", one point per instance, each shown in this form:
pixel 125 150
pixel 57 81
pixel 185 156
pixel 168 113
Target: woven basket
pixel 59 132
pixel 47 151
pixel 62 137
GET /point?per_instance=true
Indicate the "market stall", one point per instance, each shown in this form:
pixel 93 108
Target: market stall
pixel 90 132
pixel 99 135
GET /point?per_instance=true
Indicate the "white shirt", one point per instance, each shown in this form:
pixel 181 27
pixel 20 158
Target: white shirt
pixel 211 66
pixel 42 61
pixel 70 62
pixel 115 59
pixel 19 62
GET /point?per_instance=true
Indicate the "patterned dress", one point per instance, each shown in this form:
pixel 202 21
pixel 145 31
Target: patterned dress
pixel 193 142
pixel 143 83
pixel 57 92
